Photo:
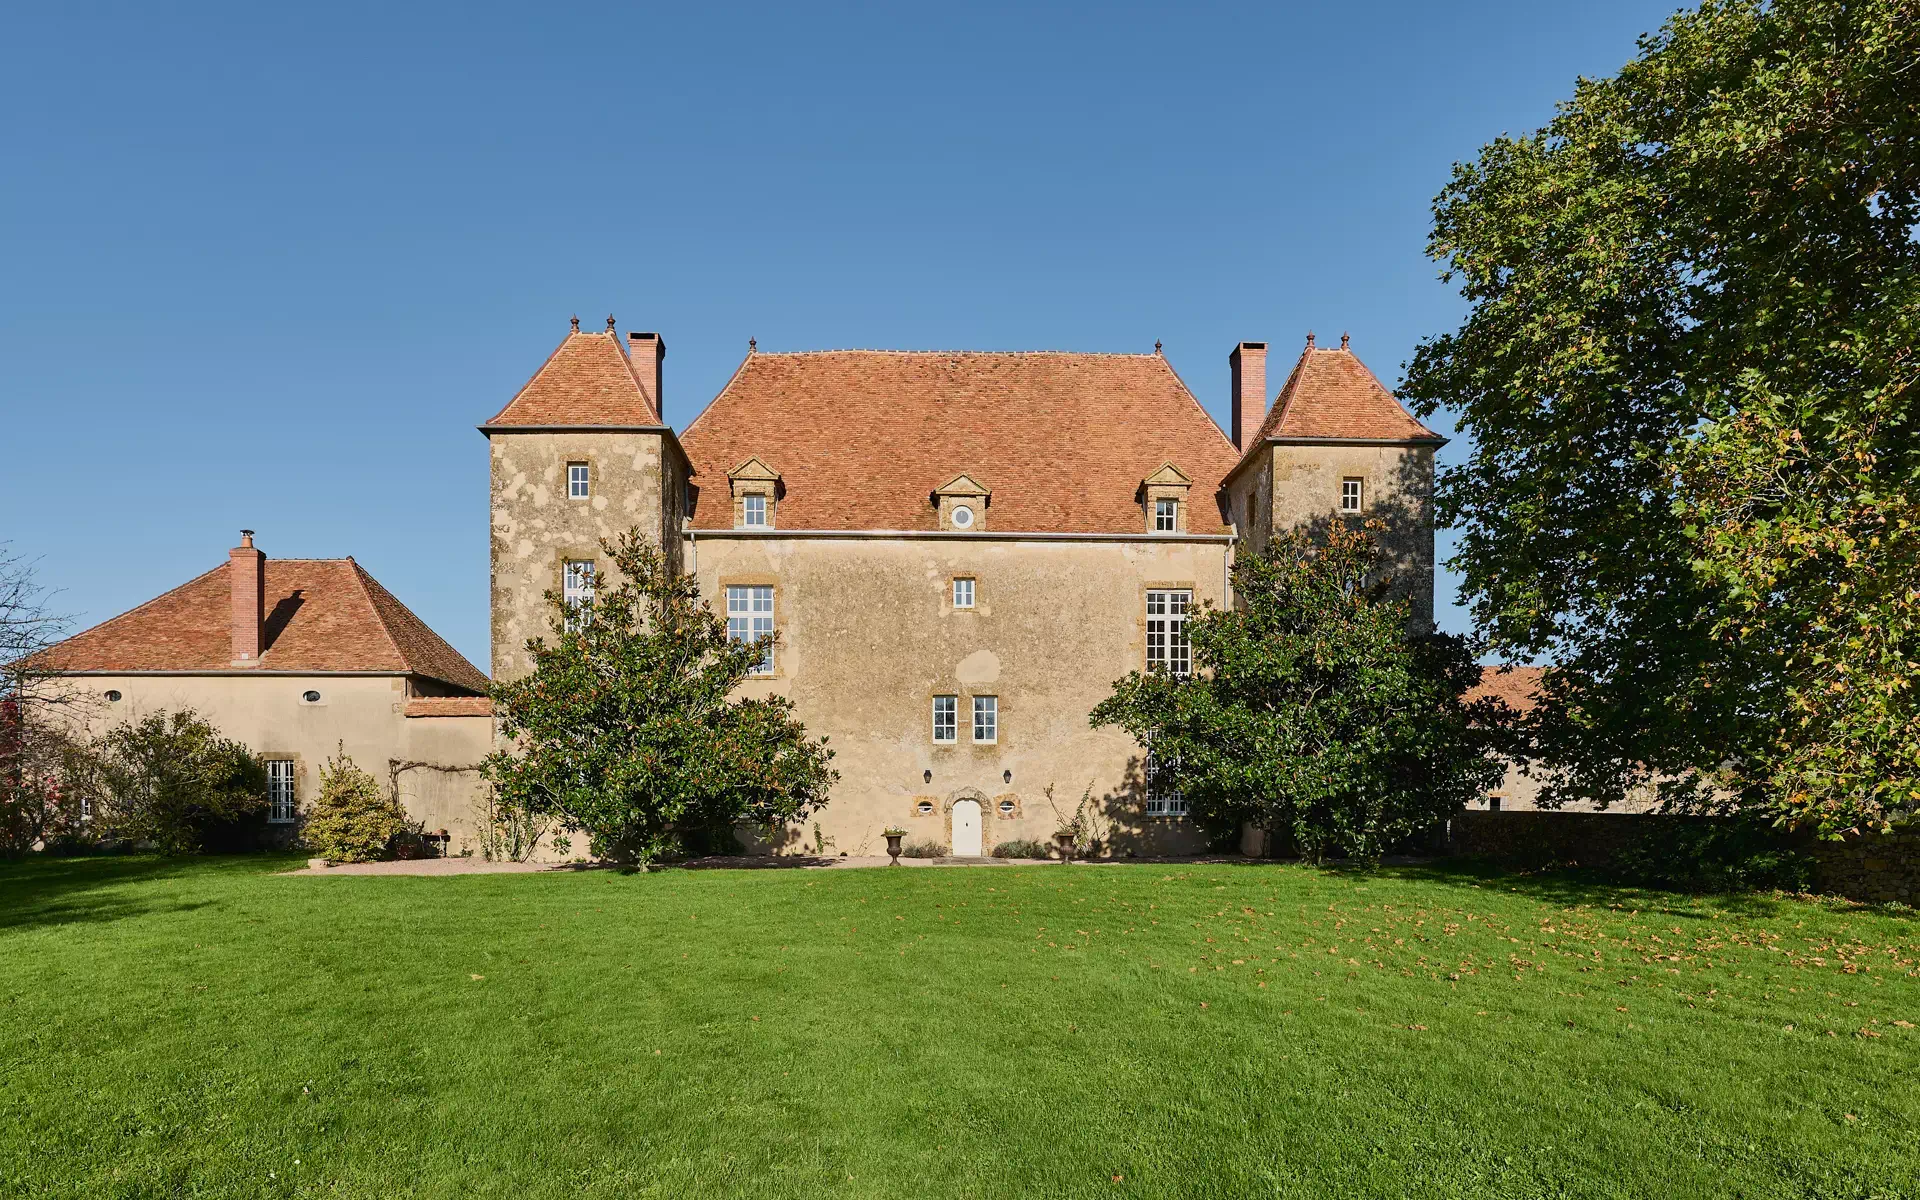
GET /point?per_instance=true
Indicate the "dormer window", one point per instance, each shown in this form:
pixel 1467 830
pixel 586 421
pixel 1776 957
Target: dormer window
pixel 756 492
pixel 962 502
pixel 1164 495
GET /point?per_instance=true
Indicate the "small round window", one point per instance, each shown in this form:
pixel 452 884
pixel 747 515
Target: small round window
pixel 113 697
pixel 925 807
pixel 310 697
pixel 962 516
pixel 1006 806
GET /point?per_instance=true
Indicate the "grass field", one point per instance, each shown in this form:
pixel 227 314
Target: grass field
pixel 210 1028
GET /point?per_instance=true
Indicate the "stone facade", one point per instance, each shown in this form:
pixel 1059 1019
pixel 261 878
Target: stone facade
pixel 869 635
pixel 854 488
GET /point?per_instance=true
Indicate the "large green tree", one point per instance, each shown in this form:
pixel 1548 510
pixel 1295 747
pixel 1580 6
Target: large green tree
pixel 1688 368
pixel 1310 711
pixel 629 727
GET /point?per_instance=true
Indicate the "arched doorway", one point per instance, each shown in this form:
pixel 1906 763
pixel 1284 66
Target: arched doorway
pixel 966 828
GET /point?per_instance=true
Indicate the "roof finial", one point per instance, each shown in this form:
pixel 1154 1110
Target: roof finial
pixel 1344 339
pixel 576 322
pixel 1309 339
pixel 609 322
pixel 752 344
pixel 1156 345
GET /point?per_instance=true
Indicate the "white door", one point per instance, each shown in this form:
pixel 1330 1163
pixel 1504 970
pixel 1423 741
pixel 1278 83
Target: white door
pixel 966 828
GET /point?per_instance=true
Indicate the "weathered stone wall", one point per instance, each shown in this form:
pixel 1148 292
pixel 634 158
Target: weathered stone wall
pixel 869 635
pixel 1874 867
pixel 1305 490
pixel 537 527
pixel 1877 867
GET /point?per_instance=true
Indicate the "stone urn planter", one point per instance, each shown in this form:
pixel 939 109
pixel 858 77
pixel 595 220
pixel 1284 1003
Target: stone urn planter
pixel 1064 841
pixel 893 845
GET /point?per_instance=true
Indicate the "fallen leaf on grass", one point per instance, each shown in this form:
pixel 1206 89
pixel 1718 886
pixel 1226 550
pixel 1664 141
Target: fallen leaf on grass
pixel 476 977
pixel 1421 1028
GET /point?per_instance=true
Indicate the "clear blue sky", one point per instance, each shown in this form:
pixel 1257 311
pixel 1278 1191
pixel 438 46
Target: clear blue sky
pixel 269 265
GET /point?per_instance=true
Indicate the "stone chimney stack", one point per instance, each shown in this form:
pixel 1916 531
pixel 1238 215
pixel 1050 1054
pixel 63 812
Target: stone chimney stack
pixel 247 572
pixel 648 353
pixel 1249 363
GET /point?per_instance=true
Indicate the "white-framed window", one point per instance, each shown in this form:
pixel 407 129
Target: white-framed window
pixel 946 714
pixel 1164 797
pixel 86 808
pixel 986 718
pixel 280 801
pixel 1353 494
pixel 750 619
pixel 577 481
pixel 962 516
pixel 1493 802
pixel 1167 648
pixel 1166 516
pixel 576 587
pixel 963 593
pixel 753 511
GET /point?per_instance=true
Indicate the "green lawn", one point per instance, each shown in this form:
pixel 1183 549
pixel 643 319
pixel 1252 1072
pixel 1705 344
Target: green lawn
pixel 210 1028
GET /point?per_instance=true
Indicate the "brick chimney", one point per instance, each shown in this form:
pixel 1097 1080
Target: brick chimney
pixel 1249 363
pixel 247 572
pixel 648 351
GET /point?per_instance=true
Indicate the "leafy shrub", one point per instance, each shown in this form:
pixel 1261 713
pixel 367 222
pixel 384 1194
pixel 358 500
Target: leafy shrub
pixel 508 830
pixel 1021 848
pixel 352 820
pixel 923 850
pixel 171 779
pixel 1714 856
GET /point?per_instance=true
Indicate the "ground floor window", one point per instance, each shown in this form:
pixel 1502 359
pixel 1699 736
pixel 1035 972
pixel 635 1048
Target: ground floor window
pixel 280 801
pixel 1164 797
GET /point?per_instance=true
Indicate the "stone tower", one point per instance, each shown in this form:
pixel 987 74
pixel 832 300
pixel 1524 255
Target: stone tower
pixel 1337 446
pixel 579 454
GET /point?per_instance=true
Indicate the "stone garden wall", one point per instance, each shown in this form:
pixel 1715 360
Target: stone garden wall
pixel 1876 867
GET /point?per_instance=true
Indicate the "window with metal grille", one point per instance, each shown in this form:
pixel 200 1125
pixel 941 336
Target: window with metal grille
pixel 280 800
pixel 753 511
pixel 576 481
pixel 1167 648
pixel 1164 797
pixel 946 712
pixel 986 718
pixel 1353 491
pixel 963 593
pixel 750 619
pixel 1166 515
pixel 576 587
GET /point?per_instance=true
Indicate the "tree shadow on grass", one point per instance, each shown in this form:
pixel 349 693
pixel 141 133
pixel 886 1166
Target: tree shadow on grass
pixel 1568 887
pixel 65 891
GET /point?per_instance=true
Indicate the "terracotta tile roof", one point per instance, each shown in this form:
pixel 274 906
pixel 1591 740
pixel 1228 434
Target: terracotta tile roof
pixel 587 380
pixel 1517 687
pixel 862 437
pixel 450 706
pixel 323 614
pixel 1331 394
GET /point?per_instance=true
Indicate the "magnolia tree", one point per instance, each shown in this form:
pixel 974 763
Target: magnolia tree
pixel 1310 711
pixel 1688 371
pixel 629 727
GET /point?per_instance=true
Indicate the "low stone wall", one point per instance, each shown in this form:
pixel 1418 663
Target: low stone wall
pixel 1878 867
pixel 1875 867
